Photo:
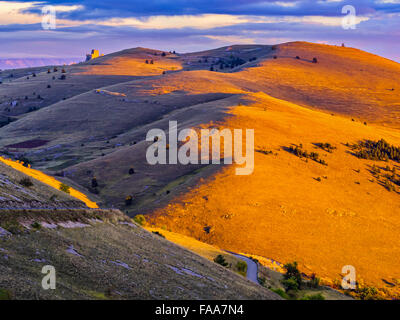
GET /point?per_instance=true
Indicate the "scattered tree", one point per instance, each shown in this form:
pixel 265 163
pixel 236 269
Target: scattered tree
pixel 26 182
pixel 140 219
pixel 293 274
pixel 128 200
pixel 94 183
pixel 65 188
pixel 221 260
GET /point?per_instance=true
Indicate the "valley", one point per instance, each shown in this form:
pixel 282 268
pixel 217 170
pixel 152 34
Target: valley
pixel 323 207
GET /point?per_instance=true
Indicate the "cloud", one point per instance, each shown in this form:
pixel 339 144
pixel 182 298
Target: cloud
pixel 188 25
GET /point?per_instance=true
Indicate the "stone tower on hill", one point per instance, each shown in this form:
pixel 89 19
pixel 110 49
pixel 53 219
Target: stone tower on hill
pixel 95 54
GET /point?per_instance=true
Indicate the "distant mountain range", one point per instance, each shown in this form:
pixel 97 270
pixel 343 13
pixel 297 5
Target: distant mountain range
pixel 14 63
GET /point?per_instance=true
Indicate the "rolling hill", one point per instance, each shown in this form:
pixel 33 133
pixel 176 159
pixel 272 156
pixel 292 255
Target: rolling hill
pixel 323 214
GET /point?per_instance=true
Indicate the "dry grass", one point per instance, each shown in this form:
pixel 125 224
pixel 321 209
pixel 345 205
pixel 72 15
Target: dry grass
pixel 46 179
pixel 281 211
pixel 284 213
pixel 114 261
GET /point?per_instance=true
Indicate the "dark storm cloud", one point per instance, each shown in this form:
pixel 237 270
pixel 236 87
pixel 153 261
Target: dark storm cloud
pixel 94 9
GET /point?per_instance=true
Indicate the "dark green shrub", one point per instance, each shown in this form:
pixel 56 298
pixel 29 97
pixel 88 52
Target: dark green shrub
pixel 368 293
pixel 159 234
pixel 65 188
pixel 6 294
pixel 221 260
pixel 317 296
pixel 314 281
pixel 36 225
pixel 293 273
pixel 291 284
pixel 13 226
pixel 128 200
pixel 26 182
pixel 241 267
pixel 94 182
pixel 140 219
pixel 281 292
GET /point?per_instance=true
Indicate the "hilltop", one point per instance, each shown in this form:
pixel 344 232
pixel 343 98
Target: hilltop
pixel 93 126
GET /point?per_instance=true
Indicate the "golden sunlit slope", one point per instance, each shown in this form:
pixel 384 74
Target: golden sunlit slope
pixel 323 216
pixel 344 80
pixel 16 191
pixel 290 209
pixel 31 89
pixel 132 62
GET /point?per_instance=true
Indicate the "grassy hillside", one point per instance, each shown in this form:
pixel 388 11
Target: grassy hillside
pixel 290 208
pixel 102 255
pixel 18 190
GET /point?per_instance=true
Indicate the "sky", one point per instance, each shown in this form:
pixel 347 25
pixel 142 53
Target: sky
pixel 194 25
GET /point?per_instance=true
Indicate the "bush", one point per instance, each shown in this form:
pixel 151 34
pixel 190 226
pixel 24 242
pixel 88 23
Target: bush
pixel 317 296
pixel 241 266
pixel 26 182
pixel 281 292
pixel 292 274
pixel 221 260
pixel 262 281
pixel 376 150
pixel 291 284
pixel 94 183
pixel 159 234
pixel 368 293
pixel 26 161
pixel 326 146
pixel 36 225
pixel 5 294
pixel 315 281
pixel 65 188
pixel 128 200
pixel 315 60
pixel 13 226
pixel 140 219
